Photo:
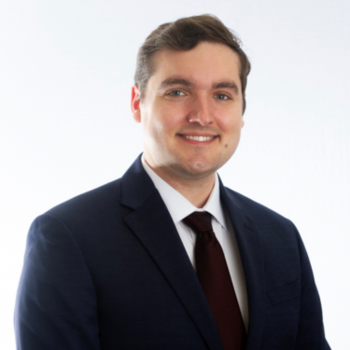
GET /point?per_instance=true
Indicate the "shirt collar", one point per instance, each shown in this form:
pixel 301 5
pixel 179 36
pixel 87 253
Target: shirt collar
pixel 178 206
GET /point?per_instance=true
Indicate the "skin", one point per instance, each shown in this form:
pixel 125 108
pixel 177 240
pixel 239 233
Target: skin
pixel 191 93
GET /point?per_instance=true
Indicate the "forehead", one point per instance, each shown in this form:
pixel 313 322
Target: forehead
pixel 206 63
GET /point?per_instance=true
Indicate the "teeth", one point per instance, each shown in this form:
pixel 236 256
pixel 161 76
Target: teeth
pixel 200 138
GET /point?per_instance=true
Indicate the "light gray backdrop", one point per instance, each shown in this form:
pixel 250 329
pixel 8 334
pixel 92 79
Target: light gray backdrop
pixel 66 127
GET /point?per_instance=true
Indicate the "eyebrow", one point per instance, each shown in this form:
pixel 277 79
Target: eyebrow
pixel 184 82
pixel 174 81
pixel 227 85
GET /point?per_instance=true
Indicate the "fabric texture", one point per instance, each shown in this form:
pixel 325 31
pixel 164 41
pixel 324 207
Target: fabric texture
pixel 107 270
pixel 179 207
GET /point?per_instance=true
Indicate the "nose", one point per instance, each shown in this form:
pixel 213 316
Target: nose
pixel 200 112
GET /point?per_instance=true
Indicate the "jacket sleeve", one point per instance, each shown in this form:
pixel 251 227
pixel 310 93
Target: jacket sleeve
pixel 56 304
pixel 311 335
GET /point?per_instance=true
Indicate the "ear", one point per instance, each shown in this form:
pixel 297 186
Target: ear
pixel 242 114
pixel 135 103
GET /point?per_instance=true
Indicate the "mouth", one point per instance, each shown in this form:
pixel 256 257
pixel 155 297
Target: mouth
pixel 198 138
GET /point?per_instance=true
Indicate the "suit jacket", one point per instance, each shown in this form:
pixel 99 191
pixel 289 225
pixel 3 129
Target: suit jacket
pixel 107 270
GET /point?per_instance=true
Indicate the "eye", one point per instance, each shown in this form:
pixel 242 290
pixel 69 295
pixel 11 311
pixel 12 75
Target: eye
pixel 222 97
pixel 175 93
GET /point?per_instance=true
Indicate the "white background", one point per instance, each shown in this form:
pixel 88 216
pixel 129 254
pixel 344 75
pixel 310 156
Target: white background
pixel 66 127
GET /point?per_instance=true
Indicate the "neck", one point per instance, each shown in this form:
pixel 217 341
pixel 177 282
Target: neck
pixel 195 190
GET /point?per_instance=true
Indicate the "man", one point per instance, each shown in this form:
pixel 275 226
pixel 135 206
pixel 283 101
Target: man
pixel 166 257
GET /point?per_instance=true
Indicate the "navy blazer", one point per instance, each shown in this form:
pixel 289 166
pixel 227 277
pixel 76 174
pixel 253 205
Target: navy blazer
pixel 107 270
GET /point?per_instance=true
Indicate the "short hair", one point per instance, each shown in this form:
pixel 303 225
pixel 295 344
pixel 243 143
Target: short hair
pixel 185 34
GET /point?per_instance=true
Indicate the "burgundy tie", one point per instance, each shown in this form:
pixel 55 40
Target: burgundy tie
pixel 216 282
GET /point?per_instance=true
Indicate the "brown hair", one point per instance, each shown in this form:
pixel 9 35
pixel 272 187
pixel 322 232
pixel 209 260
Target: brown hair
pixel 185 34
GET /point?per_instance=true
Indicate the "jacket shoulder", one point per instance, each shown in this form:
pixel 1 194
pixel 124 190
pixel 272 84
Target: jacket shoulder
pixel 99 200
pixel 256 211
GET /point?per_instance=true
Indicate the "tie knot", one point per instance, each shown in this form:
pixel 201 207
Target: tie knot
pixel 199 221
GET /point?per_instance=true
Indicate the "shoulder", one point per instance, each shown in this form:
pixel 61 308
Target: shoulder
pixel 277 237
pixel 276 233
pixel 256 211
pixel 87 206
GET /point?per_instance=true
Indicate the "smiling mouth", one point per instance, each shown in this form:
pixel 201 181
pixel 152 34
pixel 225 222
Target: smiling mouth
pixel 199 138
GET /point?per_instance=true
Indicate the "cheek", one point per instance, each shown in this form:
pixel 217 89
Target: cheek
pixel 231 129
pixel 157 128
pixel 169 119
pixel 231 125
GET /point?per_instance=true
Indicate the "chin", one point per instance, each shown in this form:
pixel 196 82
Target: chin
pixel 200 169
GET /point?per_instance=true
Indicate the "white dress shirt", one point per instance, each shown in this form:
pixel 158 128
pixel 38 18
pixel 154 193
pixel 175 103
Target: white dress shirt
pixel 179 207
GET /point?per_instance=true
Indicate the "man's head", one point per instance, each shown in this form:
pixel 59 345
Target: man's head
pixel 185 34
pixel 190 101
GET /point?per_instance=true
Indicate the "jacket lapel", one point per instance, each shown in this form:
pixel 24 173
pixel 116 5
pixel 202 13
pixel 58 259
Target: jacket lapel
pixel 152 224
pixel 249 243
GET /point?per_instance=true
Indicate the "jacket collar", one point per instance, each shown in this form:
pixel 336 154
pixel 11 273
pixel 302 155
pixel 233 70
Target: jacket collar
pixel 250 247
pixel 152 224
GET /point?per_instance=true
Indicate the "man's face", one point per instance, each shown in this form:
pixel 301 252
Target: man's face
pixel 191 112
